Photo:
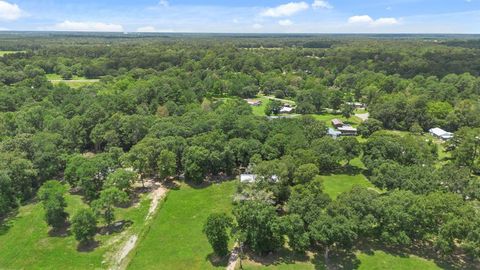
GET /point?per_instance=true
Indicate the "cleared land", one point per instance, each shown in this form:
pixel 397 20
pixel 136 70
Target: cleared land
pixel 2 53
pixel 75 82
pixel 175 239
pixel 336 184
pixel 376 260
pixel 26 243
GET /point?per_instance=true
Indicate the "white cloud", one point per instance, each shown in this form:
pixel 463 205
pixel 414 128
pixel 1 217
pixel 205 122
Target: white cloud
pixel 322 4
pixel 257 26
pixel 285 22
pixel 9 12
pixel 360 19
pixel 365 19
pixel 285 10
pixel 87 26
pixel 163 3
pixel 385 21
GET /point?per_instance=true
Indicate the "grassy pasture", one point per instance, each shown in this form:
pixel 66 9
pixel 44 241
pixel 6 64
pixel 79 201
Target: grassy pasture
pixel 2 53
pixel 175 239
pixel 26 243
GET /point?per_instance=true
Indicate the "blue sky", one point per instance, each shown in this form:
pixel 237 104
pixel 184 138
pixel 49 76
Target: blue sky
pixel 247 16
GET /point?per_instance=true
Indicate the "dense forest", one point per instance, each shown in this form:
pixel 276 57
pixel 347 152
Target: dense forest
pixel 172 107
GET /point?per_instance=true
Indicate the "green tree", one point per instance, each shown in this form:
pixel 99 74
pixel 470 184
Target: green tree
pixel 52 196
pixel 216 229
pixel 260 225
pixel 121 179
pixel 84 226
pixel 167 164
pixel 273 107
pixel 105 205
pixel 298 238
pixel 305 173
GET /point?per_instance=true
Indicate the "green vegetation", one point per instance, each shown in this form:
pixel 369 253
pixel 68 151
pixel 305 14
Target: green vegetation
pixel 175 239
pixel 374 260
pixel 26 242
pixel 339 183
pixel 2 53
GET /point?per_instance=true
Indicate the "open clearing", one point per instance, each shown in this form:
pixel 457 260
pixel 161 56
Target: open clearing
pixel 175 239
pixel 2 53
pixel 376 260
pixel 26 244
pixel 75 82
pixel 337 184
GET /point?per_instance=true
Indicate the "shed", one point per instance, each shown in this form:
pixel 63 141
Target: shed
pixel 334 133
pixel 337 123
pixel 441 134
pixel 347 130
pixel 248 178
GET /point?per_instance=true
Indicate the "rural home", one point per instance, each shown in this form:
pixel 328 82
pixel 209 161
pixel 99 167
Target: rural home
pixel 441 134
pixel 253 102
pixel 337 123
pixel 347 130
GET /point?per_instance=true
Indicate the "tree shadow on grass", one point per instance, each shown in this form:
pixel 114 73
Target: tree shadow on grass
pixel 217 261
pixel 88 247
pixel 337 260
pixel 63 231
pixel 6 222
pixel 457 260
pixel 282 256
pixel 116 227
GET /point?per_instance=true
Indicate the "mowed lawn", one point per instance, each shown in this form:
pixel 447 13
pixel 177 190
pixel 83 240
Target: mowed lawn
pixel 175 239
pixel 336 184
pixel 378 260
pixel 2 53
pixel 26 244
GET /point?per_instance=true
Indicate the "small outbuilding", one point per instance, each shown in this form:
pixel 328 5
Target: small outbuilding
pixel 441 134
pixel 248 178
pixel 347 130
pixel 334 133
pixel 337 123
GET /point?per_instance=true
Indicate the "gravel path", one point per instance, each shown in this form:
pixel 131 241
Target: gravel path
pixel 363 116
pixel 232 261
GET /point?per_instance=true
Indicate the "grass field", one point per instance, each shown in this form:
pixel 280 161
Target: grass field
pixel 175 239
pixel 2 53
pixel 338 183
pixel 26 244
pixel 375 260
pixel 75 82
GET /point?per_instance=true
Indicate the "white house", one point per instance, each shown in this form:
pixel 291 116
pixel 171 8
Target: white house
pixel 252 178
pixel 248 178
pixel 286 109
pixel 441 134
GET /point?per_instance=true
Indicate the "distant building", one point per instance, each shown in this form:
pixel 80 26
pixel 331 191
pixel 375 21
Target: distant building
pixel 252 178
pixel 253 102
pixel 347 130
pixel 286 109
pixel 248 178
pixel 334 133
pixel 337 123
pixel 357 105
pixel 441 134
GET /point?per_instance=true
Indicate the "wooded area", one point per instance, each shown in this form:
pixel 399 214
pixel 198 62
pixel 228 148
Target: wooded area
pixel 173 108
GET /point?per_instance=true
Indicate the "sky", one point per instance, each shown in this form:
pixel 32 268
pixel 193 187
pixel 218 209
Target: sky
pixel 246 16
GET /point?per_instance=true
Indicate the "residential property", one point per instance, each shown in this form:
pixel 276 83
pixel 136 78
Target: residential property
pixel 334 133
pixel 441 134
pixel 337 123
pixel 286 109
pixel 254 102
pixel 357 105
pixel 252 178
pixel 347 130
pixel 248 178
